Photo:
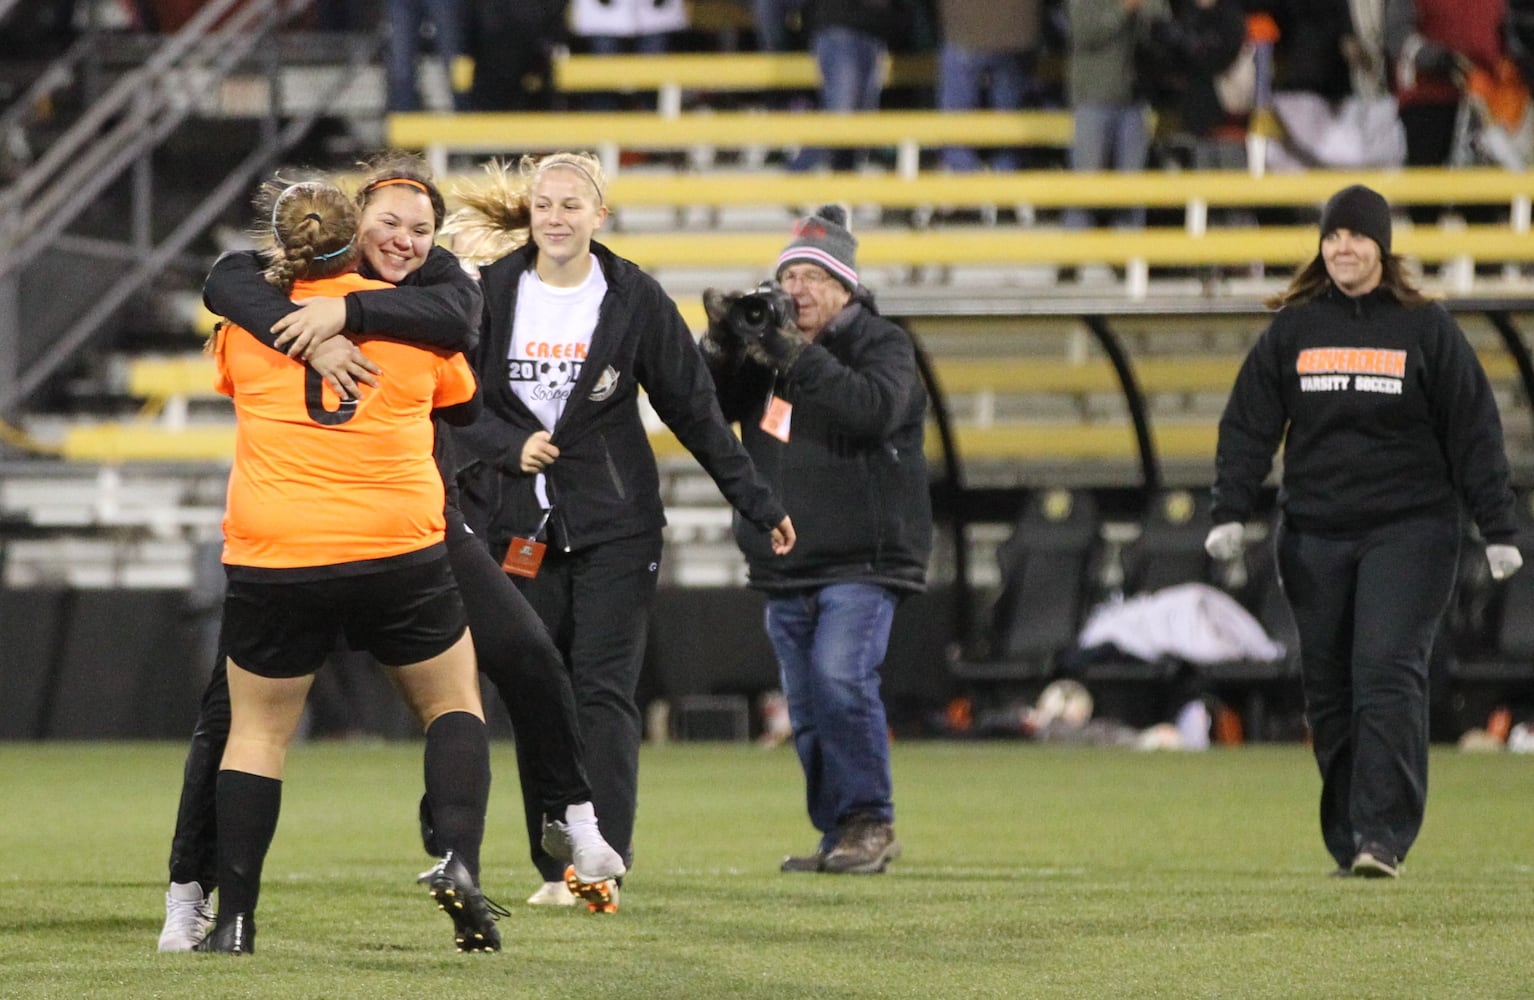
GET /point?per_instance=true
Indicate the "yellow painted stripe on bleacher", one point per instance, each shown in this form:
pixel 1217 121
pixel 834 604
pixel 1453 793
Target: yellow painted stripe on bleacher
pixel 1041 188
pixel 1025 442
pixel 492 132
pixel 192 375
pixel 159 377
pixel 1059 189
pixel 1163 246
pixel 137 442
pixel 721 71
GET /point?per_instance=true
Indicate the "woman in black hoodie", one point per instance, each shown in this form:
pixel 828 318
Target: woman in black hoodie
pixel 561 470
pixel 1390 431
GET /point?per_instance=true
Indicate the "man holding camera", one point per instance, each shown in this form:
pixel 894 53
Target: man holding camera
pixel 832 411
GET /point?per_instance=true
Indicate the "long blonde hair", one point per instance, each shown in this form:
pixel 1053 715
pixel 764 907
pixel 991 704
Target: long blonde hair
pixel 494 215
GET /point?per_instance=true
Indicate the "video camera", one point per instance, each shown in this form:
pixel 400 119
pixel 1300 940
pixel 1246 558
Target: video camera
pixel 765 307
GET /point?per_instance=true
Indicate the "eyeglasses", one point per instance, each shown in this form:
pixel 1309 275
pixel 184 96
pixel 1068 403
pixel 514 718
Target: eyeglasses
pixel 808 274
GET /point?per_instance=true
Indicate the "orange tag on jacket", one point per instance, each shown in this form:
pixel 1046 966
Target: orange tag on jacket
pixel 523 557
pixel 779 414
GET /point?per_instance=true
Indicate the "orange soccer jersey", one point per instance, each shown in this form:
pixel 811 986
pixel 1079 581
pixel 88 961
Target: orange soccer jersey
pixel 318 482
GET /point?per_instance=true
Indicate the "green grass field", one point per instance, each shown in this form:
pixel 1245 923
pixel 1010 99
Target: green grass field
pixel 1028 872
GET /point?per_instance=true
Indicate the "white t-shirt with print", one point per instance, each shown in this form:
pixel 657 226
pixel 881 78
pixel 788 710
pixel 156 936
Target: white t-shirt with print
pixel 550 337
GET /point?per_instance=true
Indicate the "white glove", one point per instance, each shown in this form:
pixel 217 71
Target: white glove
pixel 1225 540
pixel 1504 560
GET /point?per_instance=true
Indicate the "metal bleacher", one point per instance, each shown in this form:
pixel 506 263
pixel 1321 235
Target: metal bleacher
pixel 1094 360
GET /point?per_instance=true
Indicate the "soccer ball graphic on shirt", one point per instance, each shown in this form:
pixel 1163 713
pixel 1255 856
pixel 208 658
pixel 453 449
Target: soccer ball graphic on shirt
pixel 553 373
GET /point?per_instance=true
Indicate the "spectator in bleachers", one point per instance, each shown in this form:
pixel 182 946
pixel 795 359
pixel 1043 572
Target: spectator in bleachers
pixel 988 55
pixel 1309 55
pixel 1106 94
pixel 407 18
pixel 832 410
pixel 772 20
pixel 851 40
pixel 1433 44
pixel 572 335
pixel 1328 101
pixel 1202 40
pixel 1390 436
pixel 512 45
pixel 612 26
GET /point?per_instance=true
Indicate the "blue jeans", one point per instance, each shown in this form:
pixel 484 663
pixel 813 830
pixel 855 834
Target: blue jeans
pixel 830 643
pixel 962 75
pixel 405 20
pixel 1109 135
pixel 849 81
pixel 771 20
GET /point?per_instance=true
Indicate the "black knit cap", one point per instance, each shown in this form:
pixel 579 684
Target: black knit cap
pixel 1361 210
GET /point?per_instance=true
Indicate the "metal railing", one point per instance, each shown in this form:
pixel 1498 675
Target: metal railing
pixel 115 137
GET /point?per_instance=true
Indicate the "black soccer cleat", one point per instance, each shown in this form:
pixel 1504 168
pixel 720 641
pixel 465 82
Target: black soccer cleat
pixel 473 915
pixel 232 935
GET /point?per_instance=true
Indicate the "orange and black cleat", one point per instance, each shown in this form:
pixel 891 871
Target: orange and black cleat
pixel 599 897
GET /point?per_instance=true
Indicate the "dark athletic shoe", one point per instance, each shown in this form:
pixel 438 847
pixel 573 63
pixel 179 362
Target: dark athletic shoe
pixel 232 935
pixel 457 895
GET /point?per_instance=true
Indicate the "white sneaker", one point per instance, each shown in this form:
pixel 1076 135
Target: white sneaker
pixel 552 894
pixel 188 917
pixel 577 840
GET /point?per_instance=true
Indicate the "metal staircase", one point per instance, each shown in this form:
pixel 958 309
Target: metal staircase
pixel 60 289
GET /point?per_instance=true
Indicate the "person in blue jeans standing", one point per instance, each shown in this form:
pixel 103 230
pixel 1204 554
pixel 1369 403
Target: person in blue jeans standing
pixel 990 48
pixel 832 411
pixel 448 19
pixel 850 40
pixel 1107 98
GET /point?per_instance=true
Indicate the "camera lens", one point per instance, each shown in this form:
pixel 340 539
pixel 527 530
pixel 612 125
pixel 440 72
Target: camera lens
pixel 751 315
pixel 753 312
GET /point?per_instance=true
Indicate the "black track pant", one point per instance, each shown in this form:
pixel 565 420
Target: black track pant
pixel 597 602
pixel 1367 609
pixel 515 654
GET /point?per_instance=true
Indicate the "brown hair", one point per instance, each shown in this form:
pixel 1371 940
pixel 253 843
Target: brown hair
pixel 309 231
pixel 394 167
pixel 1312 281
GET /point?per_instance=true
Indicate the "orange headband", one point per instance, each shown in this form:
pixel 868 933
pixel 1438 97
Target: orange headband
pixel 399 180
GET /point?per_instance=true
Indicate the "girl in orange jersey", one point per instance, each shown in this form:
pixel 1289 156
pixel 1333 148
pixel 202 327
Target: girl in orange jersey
pixel 436 304
pixel 334 527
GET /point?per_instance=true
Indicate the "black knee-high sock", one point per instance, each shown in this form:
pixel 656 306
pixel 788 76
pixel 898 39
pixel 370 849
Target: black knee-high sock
pixel 247 818
pixel 458 784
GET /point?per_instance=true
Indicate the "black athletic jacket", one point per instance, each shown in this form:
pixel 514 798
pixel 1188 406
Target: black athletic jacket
pixel 1385 414
pixel 605 484
pixel 852 474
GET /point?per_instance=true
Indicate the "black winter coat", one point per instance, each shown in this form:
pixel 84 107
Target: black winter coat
pixel 852 474
pixel 605 484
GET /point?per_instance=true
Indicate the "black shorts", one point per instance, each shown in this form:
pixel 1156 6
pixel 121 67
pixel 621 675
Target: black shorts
pixel 401 616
